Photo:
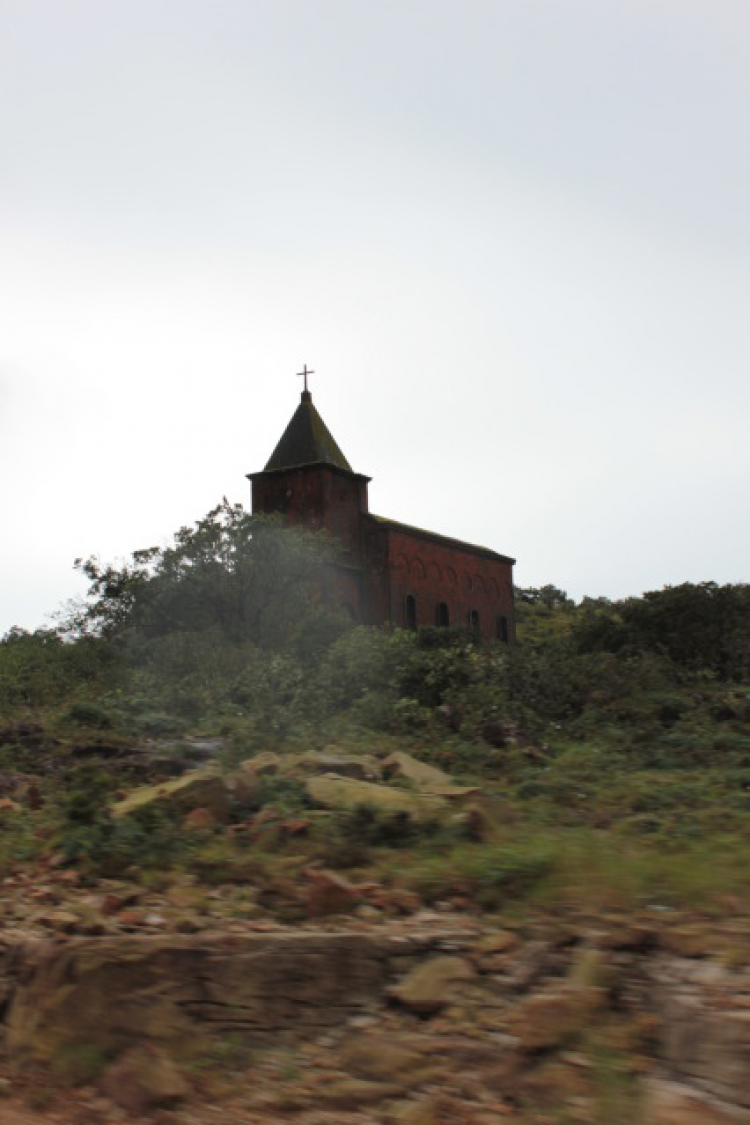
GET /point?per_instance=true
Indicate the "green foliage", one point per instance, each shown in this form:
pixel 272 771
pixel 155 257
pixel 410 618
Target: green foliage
pixel 704 627
pixel 372 827
pixel 542 615
pixel 89 715
pixel 18 842
pixel 90 838
pixel 284 793
pixel 239 576
pixel 40 669
pixel 494 876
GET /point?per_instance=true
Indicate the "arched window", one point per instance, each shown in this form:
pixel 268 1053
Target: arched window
pixel 501 628
pixel 410 612
pixel 474 620
pixel 442 618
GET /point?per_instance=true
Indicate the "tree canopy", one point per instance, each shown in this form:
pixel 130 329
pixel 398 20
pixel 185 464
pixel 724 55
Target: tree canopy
pixel 244 577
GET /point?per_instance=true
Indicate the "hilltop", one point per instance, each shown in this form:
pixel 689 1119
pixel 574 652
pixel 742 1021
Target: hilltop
pixel 201 748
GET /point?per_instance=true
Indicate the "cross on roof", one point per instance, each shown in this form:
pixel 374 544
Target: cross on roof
pixel 303 374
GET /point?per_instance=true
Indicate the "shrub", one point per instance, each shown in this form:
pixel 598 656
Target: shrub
pixel 494 876
pixel 89 715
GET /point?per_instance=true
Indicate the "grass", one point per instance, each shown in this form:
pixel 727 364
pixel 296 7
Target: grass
pixel 580 867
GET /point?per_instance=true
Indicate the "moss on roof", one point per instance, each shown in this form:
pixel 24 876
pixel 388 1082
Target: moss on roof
pixel 306 441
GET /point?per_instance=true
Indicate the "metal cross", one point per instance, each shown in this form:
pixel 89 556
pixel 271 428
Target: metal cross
pixel 303 374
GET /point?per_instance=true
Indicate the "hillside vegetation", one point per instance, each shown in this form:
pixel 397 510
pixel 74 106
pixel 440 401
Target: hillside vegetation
pixel 608 753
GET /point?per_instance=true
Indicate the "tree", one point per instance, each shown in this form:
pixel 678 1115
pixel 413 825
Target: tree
pixel 243 577
pixel 700 626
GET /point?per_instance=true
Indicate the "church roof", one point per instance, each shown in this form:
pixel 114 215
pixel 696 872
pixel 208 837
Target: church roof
pixel 306 441
pixel 432 536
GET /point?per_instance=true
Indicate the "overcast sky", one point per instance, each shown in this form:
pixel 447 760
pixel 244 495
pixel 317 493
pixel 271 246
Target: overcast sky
pixel 512 237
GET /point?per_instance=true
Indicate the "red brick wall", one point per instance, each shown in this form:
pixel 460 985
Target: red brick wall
pixel 316 496
pixel 433 572
pixel 296 494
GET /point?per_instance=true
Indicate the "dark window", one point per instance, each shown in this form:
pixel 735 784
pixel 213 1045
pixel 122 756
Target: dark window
pixel 474 620
pixel 501 628
pixel 442 619
pixel 410 612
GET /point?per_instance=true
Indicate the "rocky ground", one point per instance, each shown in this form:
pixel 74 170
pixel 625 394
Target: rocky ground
pixel 297 993
pixel 432 1017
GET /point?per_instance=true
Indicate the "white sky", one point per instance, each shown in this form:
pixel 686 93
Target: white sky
pixel 511 236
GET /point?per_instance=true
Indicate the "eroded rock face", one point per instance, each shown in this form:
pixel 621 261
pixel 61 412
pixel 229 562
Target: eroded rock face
pixel 176 990
pixel 515 1007
pixel 705 1013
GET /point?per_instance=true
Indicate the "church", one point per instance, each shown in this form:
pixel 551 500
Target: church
pixel 385 573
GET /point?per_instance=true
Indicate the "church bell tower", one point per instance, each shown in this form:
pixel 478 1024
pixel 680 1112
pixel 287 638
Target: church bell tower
pixel 309 481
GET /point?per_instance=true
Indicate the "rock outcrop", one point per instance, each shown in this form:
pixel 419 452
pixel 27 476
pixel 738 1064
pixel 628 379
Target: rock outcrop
pixel 431 1012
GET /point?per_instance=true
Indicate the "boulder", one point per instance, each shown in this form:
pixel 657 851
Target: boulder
pixel 199 820
pixel 500 941
pixel 553 1016
pixel 424 778
pixel 431 985
pixel 404 766
pixel 142 1079
pixel 332 792
pixel 265 764
pixel 329 893
pixel 382 1059
pixel 198 789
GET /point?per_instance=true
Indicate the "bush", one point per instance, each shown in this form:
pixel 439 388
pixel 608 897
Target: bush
pixel 493 876
pixel 90 838
pixel 89 715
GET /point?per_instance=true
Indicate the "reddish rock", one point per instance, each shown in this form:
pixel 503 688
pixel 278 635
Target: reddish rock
pixel 131 919
pixel 329 893
pixel 392 900
pixel 142 1079
pixel 299 827
pixel 199 820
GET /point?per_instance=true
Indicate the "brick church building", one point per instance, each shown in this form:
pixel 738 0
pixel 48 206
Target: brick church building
pixel 386 573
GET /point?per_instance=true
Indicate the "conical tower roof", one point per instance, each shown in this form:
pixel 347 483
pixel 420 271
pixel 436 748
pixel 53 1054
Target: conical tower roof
pixel 306 441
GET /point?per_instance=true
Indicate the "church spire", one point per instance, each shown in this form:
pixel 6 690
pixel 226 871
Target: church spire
pixel 306 440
